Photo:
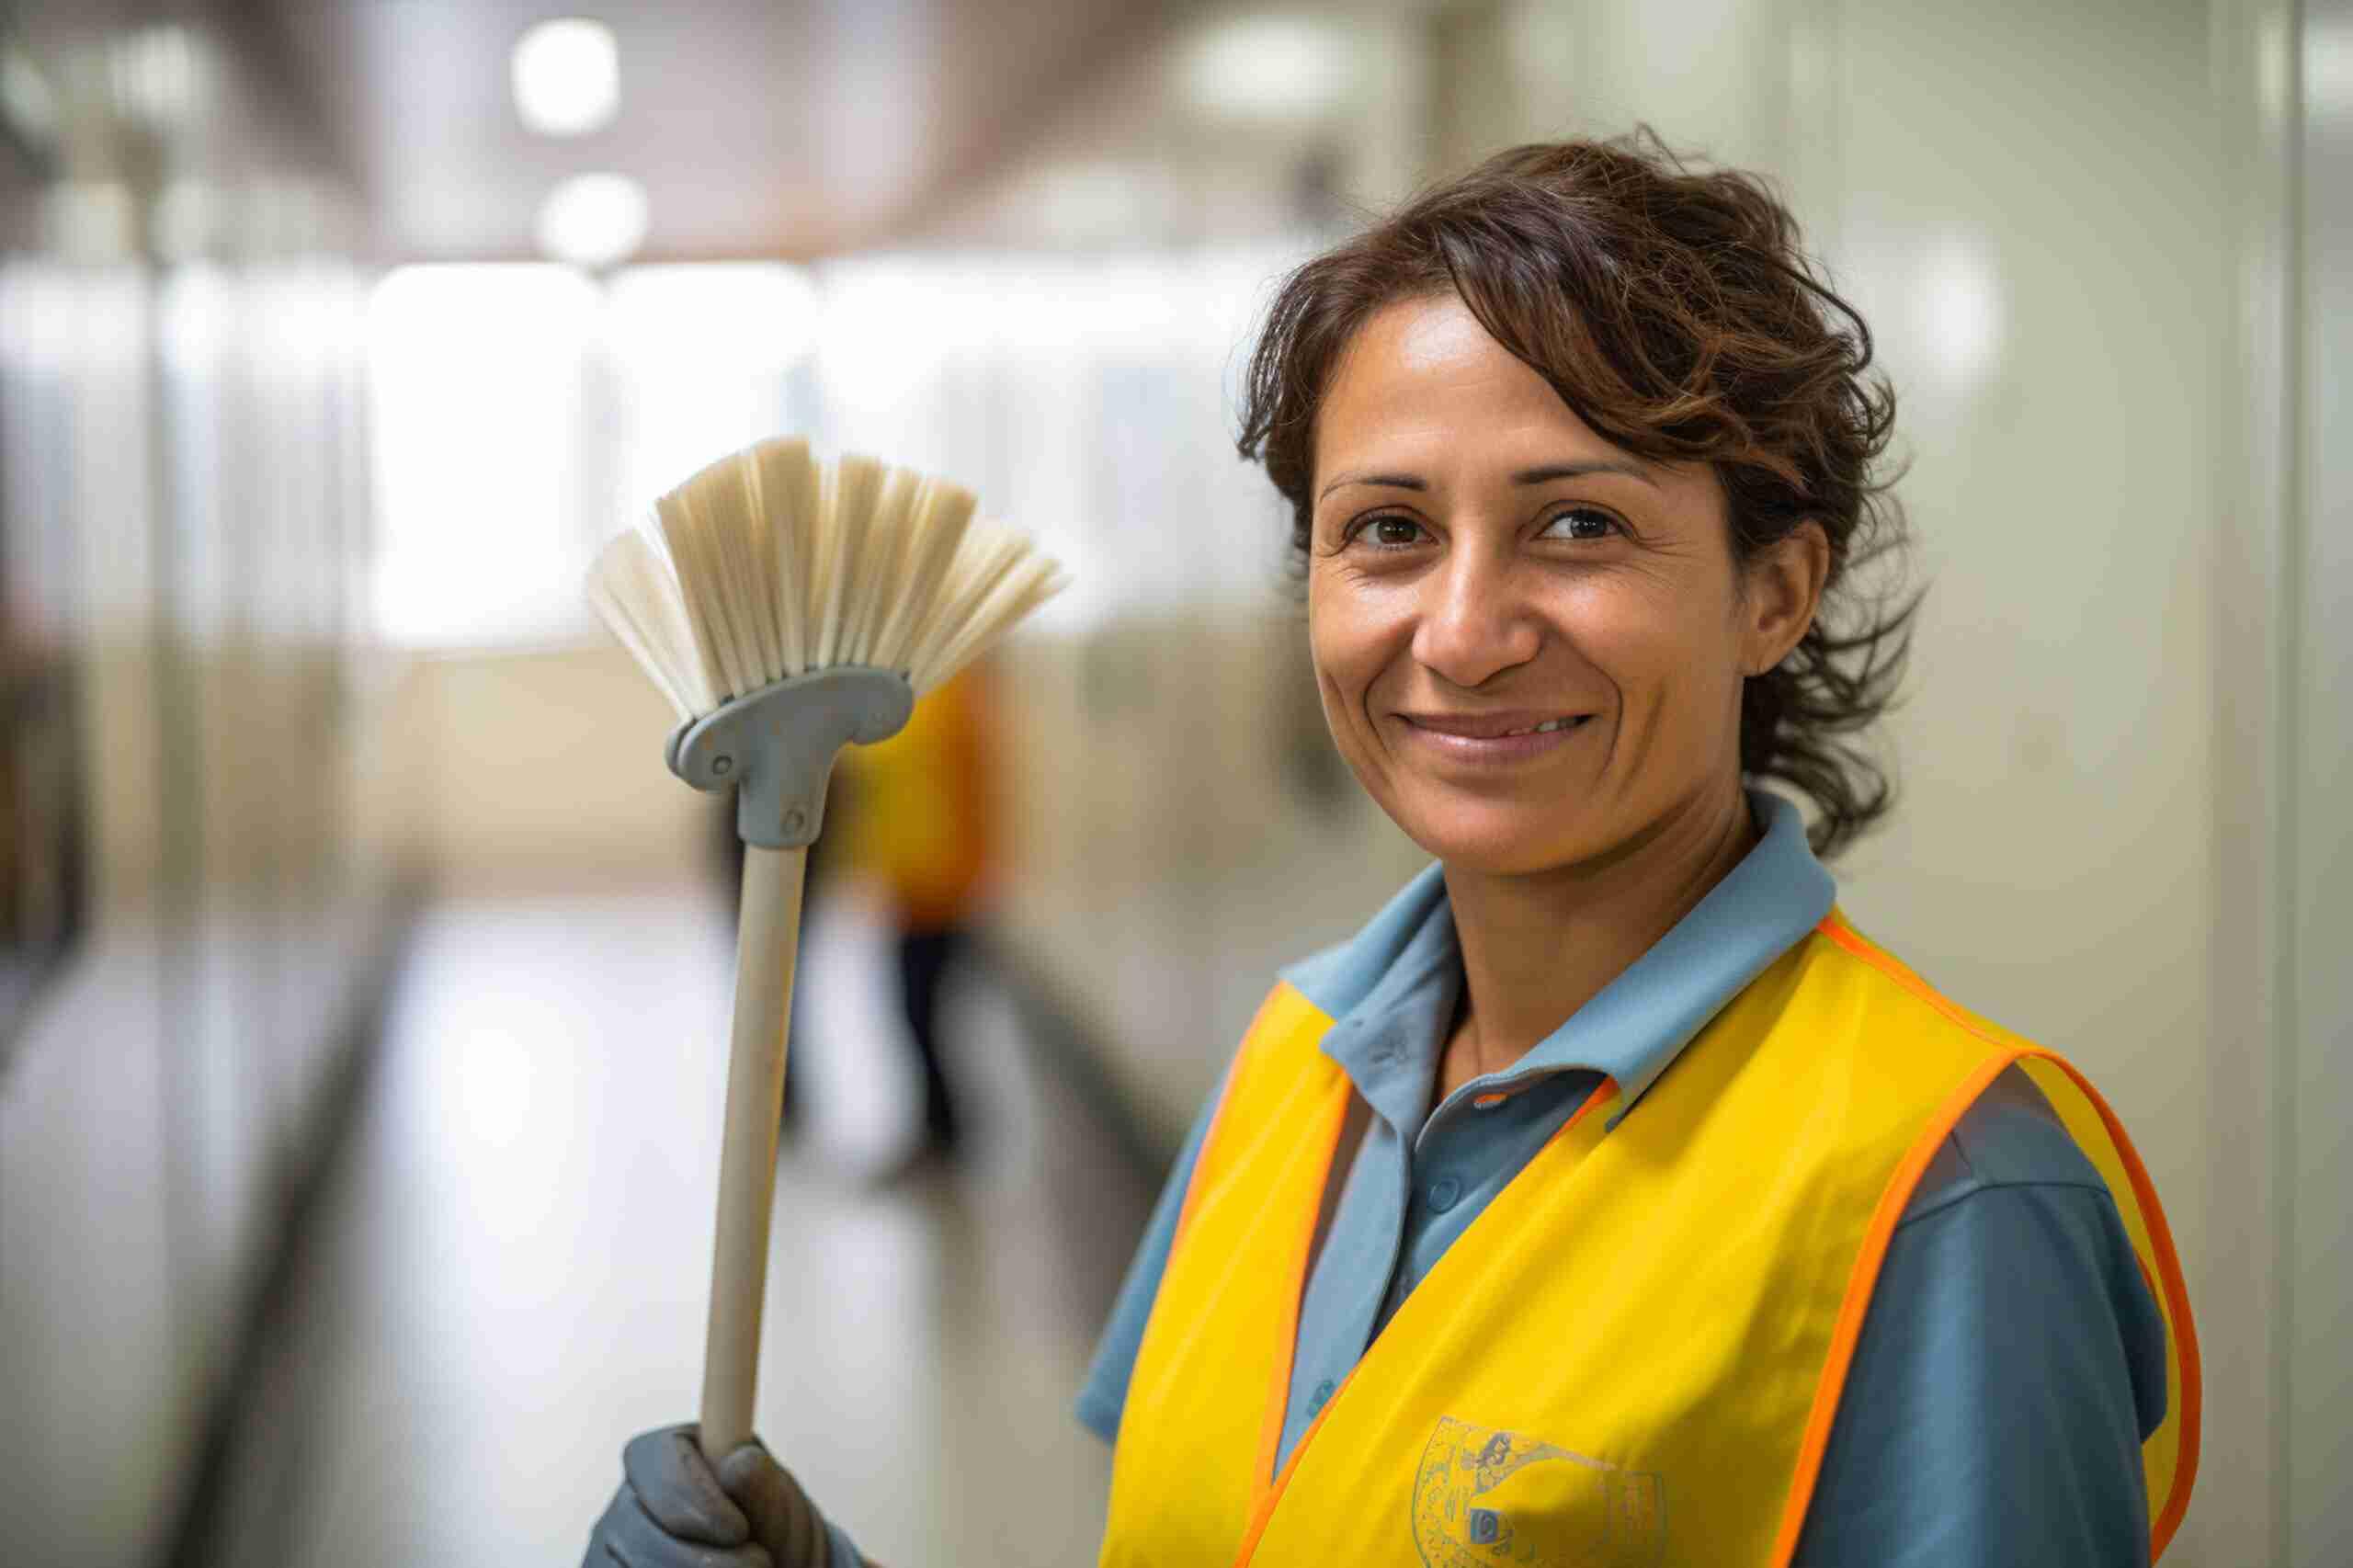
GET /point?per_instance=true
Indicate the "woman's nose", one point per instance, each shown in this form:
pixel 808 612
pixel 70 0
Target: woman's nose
pixel 1474 621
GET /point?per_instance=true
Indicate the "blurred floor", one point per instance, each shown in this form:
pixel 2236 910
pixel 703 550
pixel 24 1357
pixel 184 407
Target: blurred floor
pixel 506 1274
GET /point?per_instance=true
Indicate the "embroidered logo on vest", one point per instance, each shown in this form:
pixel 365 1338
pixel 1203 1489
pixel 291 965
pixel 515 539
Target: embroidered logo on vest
pixel 1484 1497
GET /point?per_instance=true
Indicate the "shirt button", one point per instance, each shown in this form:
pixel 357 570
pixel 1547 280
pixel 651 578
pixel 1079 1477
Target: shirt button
pixel 1322 1392
pixel 1445 1193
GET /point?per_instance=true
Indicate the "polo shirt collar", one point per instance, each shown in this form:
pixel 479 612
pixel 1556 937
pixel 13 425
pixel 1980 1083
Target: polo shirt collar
pixel 1390 990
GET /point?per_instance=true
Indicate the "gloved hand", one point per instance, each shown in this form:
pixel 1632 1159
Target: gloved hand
pixel 674 1510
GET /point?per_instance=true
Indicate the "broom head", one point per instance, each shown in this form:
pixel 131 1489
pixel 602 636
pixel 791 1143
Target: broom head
pixel 768 565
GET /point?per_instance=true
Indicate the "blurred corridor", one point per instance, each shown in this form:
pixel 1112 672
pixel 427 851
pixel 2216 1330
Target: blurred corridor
pixel 364 971
pixel 497 1255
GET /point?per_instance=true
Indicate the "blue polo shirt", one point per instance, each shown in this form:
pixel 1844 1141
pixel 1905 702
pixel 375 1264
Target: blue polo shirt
pixel 2012 1360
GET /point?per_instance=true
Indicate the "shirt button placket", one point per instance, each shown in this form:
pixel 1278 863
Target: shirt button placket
pixel 1444 1193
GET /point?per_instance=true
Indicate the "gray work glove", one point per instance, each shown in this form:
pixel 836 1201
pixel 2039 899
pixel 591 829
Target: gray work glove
pixel 674 1510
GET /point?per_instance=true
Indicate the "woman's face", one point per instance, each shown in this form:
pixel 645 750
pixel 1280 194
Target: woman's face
pixel 1482 565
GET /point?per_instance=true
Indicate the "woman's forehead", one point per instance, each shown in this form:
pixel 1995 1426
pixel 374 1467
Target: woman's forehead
pixel 1423 383
pixel 1432 334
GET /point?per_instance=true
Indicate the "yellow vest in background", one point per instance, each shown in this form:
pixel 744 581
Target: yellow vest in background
pixel 1634 1355
pixel 917 810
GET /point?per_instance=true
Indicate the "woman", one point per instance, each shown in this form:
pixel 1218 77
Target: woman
pixel 1608 1199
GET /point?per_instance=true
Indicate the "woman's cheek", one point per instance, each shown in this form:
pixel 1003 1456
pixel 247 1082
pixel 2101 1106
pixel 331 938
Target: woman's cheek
pixel 1344 641
pixel 1343 699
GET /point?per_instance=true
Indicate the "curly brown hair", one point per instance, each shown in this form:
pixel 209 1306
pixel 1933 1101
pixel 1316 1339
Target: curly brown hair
pixel 1672 308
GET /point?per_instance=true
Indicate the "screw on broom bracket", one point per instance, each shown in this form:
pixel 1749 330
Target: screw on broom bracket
pixel 776 745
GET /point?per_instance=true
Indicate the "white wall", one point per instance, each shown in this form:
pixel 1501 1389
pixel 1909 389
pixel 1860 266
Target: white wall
pixel 536 770
pixel 2240 1512
pixel 2318 1080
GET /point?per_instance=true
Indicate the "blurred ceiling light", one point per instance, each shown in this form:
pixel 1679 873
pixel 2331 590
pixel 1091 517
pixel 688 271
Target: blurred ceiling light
pixel 567 76
pixel 1266 69
pixel 593 220
pixel 158 76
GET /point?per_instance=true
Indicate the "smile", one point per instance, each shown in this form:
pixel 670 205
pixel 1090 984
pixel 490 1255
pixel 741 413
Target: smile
pixel 1499 738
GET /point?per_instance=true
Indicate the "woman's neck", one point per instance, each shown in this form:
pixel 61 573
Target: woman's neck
pixel 1536 948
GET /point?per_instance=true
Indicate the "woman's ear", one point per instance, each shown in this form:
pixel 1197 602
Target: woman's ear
pixel 1784 586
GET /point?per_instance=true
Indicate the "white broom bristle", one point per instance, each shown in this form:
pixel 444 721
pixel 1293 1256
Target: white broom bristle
pixel 766 565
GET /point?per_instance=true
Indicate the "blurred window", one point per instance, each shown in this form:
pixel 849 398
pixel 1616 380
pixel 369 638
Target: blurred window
pixel 702 360
pixel 476 375
pixel 525 413
pixel 1087 398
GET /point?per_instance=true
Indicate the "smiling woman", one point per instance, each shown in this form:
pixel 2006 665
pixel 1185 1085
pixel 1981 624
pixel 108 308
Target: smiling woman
pixel 1609 1199
pixel 1582 458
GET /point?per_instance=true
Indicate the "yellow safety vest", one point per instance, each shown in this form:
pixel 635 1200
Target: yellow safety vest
pixel 1634 1355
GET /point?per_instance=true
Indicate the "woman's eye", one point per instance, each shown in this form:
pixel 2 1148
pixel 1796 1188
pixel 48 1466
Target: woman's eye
pixel 1389 532
pixel 1581 523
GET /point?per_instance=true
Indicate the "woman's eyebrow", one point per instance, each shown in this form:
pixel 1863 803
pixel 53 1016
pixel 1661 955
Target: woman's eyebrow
pixel 1388 481
pixel 1551 471
pixel 1545 474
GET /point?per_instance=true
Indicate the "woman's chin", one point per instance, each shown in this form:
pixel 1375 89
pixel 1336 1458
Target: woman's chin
pixel 1499 843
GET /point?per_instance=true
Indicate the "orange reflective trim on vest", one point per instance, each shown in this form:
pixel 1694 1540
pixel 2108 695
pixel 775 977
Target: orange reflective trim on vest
pixel 1266 1508
pixel 1324 1138
pixel 1863 1284
pixel 1244 1242
pixel 1259 1022
pixel 1282 1008
pixel 2145 1220
pixel 2173 1464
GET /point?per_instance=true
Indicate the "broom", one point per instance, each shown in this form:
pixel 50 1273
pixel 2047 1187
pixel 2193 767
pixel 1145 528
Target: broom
pixel 787 608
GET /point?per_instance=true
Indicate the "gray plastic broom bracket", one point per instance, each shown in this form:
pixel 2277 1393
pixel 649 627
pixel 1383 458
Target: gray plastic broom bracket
pixel 776 746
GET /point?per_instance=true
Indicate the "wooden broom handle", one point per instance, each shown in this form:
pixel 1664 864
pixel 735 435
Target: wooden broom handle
pixel 767 940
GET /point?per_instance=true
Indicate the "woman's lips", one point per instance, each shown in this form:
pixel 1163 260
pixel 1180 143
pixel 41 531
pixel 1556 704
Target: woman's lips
pixel 1446 736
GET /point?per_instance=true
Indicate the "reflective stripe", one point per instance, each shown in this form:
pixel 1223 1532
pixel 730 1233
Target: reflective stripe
pixel 2169 1456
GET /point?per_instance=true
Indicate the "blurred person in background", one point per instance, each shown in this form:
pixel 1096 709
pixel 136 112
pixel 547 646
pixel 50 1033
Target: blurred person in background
pixel 921 828
pixel 1609 1197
